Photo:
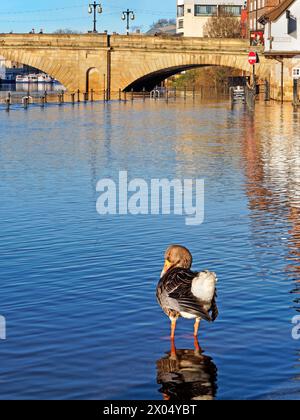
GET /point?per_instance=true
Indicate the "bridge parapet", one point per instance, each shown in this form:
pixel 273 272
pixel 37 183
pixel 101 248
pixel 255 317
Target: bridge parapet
pixel 121 41
pixel 178 43
pixel 75 41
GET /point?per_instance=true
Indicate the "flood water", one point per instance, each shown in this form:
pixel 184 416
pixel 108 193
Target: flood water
pixel 78 289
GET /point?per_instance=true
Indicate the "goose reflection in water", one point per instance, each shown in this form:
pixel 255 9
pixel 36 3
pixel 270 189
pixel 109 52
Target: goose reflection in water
pixel 187 375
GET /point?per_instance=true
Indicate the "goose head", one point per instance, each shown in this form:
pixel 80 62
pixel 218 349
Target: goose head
pixel 177 256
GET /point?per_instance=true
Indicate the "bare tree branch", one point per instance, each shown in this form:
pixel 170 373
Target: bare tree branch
pixel 225 25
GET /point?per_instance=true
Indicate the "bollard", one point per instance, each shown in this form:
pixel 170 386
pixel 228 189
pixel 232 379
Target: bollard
pixel 295 93
pixel 267 91
pixel 25 102
pixel 7 100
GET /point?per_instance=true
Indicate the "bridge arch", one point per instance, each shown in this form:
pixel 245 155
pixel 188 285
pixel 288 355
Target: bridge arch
pixel 151 80
pixel 59 71
pixel 152 72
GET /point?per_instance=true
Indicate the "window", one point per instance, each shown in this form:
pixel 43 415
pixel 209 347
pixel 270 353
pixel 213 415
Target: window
pixel 205 10
pixel 180 24
pixel 180 11
pixel 231 10
pixel 292 25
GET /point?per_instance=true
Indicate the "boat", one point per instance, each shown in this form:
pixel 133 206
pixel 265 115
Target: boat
pixel 27 78
pixel 44 78
pixel 34 78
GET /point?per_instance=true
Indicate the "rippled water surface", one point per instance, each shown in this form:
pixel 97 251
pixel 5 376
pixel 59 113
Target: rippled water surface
pixel 78 289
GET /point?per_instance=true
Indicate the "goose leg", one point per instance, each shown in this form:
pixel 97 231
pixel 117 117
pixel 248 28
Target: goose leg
pixel 173 349
pixel 196 327
pixel 173 327
pixel 197 346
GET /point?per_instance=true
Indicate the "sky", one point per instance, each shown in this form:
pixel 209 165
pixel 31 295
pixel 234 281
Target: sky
pixel 21 16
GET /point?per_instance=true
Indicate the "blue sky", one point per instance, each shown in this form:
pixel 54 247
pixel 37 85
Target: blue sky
pixel 22 16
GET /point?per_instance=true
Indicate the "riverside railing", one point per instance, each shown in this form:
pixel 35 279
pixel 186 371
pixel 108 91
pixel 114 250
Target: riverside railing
pixel 27 99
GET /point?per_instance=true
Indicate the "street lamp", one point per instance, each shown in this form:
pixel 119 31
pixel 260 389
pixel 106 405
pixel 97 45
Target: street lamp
pixel 96 8
pixel 127 15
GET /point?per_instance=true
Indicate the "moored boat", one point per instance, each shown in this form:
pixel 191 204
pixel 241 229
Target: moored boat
pixel 34 78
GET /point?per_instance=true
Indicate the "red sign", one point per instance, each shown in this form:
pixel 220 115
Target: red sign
pixel 252 58
pixel 257 38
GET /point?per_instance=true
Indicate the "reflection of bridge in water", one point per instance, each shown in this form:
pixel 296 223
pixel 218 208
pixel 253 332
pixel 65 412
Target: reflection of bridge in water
pixel 113 63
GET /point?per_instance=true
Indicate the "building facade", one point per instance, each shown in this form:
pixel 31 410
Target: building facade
pixel 257 9
pixel 192 15
pixel 282 44
pixel 282 30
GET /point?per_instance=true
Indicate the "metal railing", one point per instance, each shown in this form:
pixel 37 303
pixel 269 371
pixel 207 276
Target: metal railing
pixel 9 100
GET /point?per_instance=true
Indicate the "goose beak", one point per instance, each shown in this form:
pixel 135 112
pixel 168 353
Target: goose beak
pixel 166 268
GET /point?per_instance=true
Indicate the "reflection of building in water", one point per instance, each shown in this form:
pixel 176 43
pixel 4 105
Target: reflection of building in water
pixel 187 375
pixel 272 167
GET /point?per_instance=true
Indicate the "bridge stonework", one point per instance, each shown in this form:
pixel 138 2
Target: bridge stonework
pixel 103 62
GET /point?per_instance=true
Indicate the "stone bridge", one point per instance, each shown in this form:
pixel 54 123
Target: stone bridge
pixel 114 62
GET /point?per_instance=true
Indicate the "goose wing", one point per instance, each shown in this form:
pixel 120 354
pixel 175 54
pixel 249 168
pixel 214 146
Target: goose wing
pixel 177 284
pixel 214 308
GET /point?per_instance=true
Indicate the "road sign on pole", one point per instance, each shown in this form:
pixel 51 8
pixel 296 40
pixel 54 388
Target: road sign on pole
pixel 253 58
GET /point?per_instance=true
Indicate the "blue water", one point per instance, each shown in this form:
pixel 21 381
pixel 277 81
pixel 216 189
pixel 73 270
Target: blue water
pixel 78 289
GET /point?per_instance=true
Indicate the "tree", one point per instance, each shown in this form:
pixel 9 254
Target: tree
pixel 66 31
pixel 223 25
pixel 163 22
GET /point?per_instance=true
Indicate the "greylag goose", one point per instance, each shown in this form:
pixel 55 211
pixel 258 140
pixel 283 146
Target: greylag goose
pixel 184 293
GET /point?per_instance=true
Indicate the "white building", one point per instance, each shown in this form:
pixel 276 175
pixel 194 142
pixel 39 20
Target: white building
pixel 282 28
pixel 2 68
pixel 192 15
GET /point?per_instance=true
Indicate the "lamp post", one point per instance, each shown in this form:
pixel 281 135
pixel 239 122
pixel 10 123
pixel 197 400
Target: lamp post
pixel 127 15
pixel 95 7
